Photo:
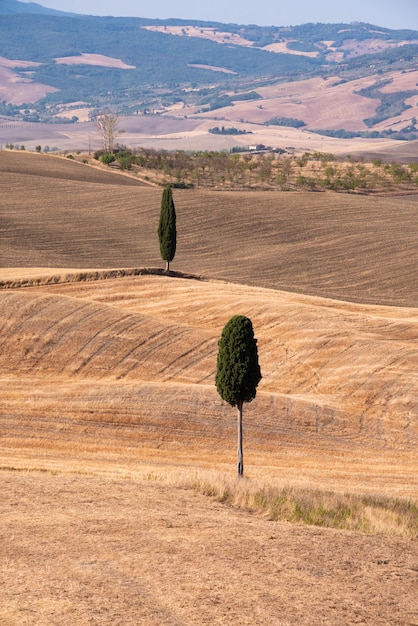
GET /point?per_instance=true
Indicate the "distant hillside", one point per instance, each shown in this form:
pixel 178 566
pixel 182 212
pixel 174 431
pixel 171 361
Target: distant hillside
pixel 13 7
pixel 52 63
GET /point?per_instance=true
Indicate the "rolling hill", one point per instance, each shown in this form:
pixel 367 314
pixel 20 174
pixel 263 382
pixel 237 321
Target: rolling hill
pixel 346 246
pixel 110 417
pixel 339 371
pixel 14 7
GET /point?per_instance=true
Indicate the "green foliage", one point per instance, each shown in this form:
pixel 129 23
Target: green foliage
pixel 125 158
pixel 325 157
pixel 244 169
pixel 392 58
pixel 249 95
pixel 11 146
pixel 306 182
pixel 238 371
pixel 167 232
pixel 301 46
pixel 107 158
pixel 391 104
pixel 407 133
pixel 227 131
pixel 399 173
pixel 292 122
pixel 217 102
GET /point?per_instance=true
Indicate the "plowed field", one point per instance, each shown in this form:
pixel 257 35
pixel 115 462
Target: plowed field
pixel 344 246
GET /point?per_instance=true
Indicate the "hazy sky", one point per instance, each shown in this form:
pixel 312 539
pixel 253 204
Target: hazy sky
pixel 389 13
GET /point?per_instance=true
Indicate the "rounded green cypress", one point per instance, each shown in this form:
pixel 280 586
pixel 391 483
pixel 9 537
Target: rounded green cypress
pixel 238 371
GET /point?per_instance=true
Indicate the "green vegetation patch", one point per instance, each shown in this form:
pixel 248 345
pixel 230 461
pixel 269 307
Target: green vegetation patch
pixel 301 46
pixel 227 131
pixel 249 95
pixel 285 121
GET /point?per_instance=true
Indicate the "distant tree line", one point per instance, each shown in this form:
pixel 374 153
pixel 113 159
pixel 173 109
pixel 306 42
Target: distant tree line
pixel 391 104
pixel 291 122
pixel 241 169
pixel 406 133
pixel 228 131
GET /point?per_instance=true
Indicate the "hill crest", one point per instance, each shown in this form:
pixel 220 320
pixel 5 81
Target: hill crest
pixel 14 7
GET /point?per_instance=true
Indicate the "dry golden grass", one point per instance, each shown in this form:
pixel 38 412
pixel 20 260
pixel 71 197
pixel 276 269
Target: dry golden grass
pixel 109 414
pixel 320 103
pixel 87 550
pixel 210 33
pixel 94 59
pixel 369 514
pixel 15 90
pixel 338 379
pixel 317 102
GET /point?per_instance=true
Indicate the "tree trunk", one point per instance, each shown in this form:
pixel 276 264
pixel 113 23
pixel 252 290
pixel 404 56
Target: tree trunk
pixel 240 466
pixel 167 266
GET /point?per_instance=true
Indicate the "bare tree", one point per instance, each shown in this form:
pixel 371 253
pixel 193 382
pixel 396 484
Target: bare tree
pixel 107 124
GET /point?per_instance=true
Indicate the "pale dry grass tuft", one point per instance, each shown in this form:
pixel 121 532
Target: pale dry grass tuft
pixel 311 506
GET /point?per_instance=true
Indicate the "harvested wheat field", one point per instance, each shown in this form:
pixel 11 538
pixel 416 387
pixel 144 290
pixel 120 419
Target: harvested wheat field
pixel 94 550
pixel 113 436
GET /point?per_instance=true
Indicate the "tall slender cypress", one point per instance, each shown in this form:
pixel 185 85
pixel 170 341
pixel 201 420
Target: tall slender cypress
pixel 238 372
pixel 167 232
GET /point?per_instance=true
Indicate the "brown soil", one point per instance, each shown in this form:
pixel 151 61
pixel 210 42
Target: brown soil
pixel 334 245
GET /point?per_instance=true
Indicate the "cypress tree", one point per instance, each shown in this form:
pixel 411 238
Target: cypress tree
pixel 238 372
pixel 167 233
